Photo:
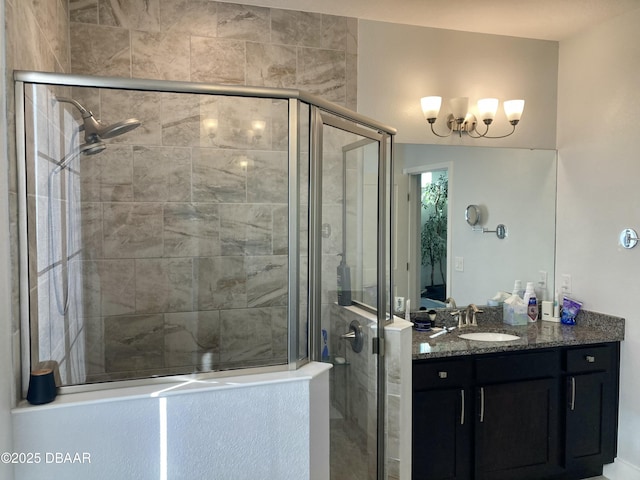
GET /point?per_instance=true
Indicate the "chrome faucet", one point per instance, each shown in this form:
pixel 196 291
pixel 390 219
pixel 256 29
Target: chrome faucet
pixel 451 302
pixel 473 309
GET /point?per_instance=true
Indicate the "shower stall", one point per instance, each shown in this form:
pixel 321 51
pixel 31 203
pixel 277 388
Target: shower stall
pixel 176 228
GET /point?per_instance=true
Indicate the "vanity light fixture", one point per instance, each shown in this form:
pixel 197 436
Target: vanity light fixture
pixel 461 120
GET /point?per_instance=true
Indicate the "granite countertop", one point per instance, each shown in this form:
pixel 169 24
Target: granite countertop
pixel 590 328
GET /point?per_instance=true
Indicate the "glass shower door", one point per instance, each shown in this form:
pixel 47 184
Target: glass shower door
pixel 349 227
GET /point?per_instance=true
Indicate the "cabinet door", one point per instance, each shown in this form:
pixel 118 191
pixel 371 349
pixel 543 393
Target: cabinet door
pixel 590 420
pixel 517 430
pixel 441 435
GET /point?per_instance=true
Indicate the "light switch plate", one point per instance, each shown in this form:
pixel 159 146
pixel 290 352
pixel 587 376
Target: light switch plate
pixel 459 264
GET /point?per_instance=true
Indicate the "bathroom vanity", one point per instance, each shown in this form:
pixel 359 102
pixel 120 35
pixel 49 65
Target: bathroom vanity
pixel 543 406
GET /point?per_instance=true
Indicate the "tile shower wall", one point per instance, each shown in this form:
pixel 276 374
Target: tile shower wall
pixel 184 235
pixel 207 41
pixel 37 38
pixel 186 214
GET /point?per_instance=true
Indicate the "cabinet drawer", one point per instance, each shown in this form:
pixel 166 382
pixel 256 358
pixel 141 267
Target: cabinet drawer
pixel 518 366
pixel 588 359
pixel 441 374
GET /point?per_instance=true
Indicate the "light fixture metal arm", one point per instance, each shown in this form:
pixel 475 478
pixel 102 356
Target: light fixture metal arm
pixel 431 122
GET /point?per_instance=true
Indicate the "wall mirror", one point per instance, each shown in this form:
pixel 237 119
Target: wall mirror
pixel 514 187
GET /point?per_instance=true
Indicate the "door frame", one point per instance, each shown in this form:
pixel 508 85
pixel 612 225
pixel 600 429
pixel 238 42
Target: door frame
pixel 320 118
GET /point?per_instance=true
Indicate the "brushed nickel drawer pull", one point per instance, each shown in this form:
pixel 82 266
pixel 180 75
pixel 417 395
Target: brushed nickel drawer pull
pixel 573 393
pixel 481 404
pixel 443 374
pixel 462 408
pixel 590 359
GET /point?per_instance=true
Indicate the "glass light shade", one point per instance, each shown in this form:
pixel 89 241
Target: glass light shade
pixel 431 106
pixel 459 107
pixel 487 108
pixel 513 109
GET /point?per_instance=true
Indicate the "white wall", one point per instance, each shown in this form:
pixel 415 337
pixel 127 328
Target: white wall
pixel 598 194
pixel 399 64
pixel 271 426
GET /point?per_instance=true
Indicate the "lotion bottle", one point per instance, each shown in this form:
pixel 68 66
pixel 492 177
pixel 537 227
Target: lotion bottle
pixel 531 301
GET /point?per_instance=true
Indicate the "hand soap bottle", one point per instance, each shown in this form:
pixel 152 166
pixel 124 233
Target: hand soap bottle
pixel 344 283
pixel 531 301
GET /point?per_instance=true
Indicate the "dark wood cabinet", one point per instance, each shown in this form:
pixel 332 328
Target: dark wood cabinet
pixel 442 421
pixel 591 400
pixel 548 414
pixel 516 434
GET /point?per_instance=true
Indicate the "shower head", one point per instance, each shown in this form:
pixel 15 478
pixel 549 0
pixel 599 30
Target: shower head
pixel 92 148
pixel 95 129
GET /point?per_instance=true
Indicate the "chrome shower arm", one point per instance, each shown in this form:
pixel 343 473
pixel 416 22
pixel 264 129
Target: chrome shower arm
pixel 85 113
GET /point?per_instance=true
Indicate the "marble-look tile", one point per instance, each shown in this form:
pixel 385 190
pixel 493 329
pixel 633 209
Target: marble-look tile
pixel 134 342
pixel 290 27
pixel 131 14
pixel 237 118
pixel 322 72
pixel 191 230
pixel 91 230
pixel 108 287
pixel 119 105
pixel 271 65
pixel 280 125
pixel 244 22
pixel 352 35
pixel 108 176
pixel 194 17
pixel 161 174
pixel 245 229
pixel 160 55
pixel 181 125
pixel 217 60
pixel 334 32
pixel 94 341
pixel 219 282
pixel 190 335
pixel 132 230
pixel 351 87
pixel 280 233
pixel 267 281
pixel 219 175
pixel 267 180
pixel 253 335
pixel 164 285
pixel 83 11
pixel 98 50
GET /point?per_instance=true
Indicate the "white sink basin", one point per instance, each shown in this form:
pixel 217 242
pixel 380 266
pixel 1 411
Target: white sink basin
pixel 489 337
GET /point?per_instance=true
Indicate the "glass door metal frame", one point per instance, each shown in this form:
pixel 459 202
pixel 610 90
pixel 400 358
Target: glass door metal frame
pixel 319 119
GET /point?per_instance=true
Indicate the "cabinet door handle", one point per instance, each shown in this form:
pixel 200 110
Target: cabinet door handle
pixel 573 393
pixel 462 407
pixel 481 404
pixel 590 359
pixel 442 374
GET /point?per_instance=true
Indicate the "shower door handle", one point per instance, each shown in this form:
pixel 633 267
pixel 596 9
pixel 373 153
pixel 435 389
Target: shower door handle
pixel 354 336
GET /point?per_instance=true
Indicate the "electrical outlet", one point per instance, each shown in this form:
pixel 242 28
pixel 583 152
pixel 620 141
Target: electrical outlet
pixel 459 264
pixel 566 284
pixel 399 304
pixel 542 279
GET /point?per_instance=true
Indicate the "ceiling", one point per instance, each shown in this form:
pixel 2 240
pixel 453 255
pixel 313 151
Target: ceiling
pixel 539 19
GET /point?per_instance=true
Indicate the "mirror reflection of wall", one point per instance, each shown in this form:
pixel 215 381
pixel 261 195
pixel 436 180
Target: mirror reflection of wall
pixel 514 187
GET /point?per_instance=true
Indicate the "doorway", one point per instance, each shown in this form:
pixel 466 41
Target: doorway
pixel 433 203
